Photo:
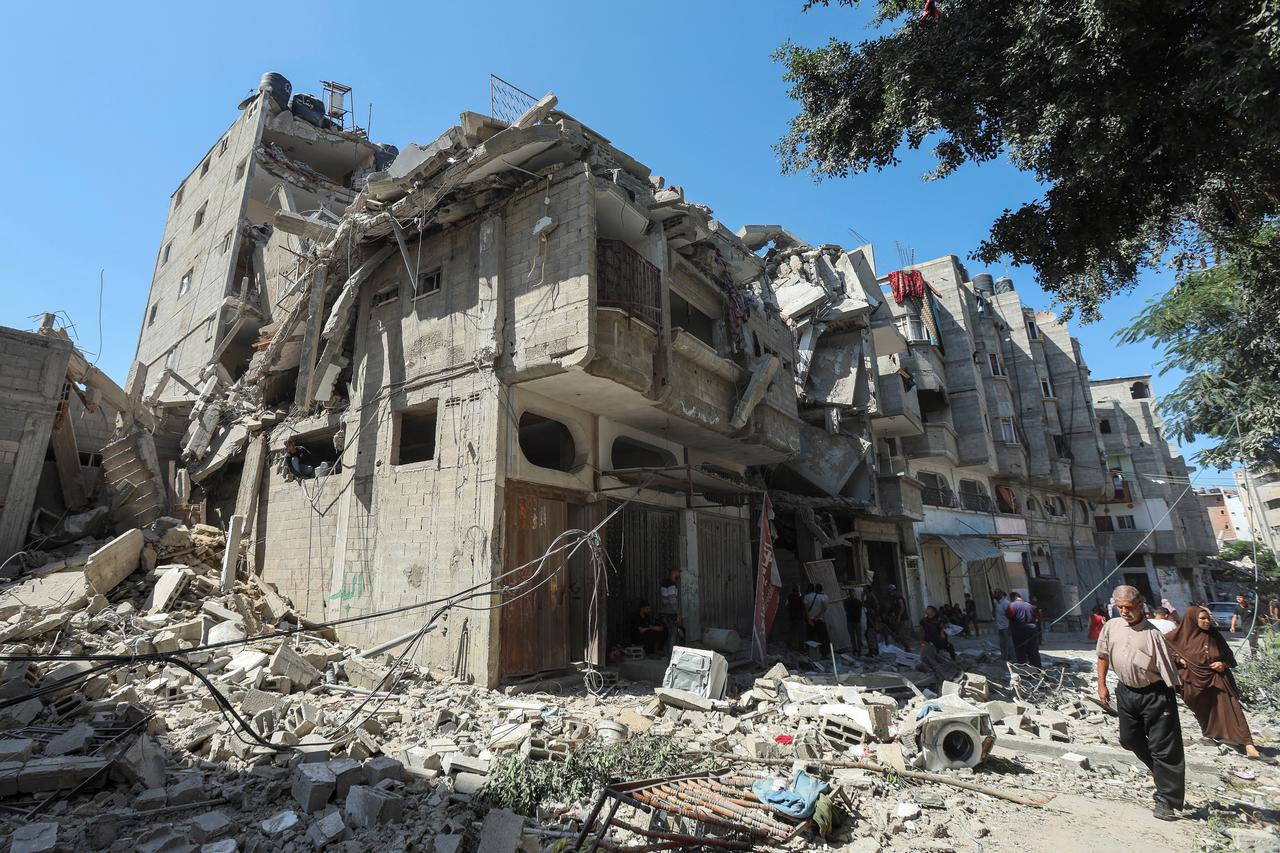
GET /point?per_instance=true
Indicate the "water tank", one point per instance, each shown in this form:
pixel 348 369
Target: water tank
pixel 983 284
pixel 384 155
pixel 1004 284
pixel 309 108
pixel 277 87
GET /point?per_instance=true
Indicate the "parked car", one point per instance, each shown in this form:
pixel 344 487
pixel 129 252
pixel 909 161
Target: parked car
pixel 1222 612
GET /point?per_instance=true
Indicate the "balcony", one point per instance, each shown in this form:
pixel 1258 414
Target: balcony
pixel 900 496
pixel 938 441
pixel 926 366
pixel 1011 460
pixel 627 282
pixel 976 502
pixel 947 499
pixel 898 411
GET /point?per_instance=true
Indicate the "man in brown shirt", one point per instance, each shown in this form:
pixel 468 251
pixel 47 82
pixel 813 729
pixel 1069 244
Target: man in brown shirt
pixel 1147 699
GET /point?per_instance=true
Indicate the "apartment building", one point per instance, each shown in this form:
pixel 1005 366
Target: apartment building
pixel 1227 516
pixel 1150 522
pixel 1259 491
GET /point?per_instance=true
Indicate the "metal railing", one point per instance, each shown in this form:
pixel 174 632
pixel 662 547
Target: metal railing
pixel 627 281
pixel 976 502
pixel 939 497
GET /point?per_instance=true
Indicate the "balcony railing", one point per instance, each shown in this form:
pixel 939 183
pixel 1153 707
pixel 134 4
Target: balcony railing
pixel 939 497
pixel 627 281
pixel 977 503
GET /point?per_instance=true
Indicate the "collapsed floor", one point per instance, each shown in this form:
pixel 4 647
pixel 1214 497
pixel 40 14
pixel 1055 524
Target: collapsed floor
pixel 152 702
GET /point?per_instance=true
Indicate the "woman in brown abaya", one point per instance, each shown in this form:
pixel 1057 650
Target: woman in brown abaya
pixel 1208 687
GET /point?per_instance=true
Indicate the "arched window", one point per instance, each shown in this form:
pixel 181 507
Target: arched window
pixel 1139 391
pixel 546 443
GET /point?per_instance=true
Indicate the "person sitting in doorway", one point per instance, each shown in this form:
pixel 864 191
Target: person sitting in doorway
pixel 647 631
pixel 293 454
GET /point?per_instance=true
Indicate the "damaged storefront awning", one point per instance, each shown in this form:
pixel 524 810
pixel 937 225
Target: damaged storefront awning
pixel 975 552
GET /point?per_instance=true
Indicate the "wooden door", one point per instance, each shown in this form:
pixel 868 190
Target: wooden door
pixel 534 628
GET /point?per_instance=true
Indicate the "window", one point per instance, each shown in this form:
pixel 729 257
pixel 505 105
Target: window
pixel 428 283
pixel 415 434
pixel 208 328
pixel 692 320
pixel 1139 391
pixel 1033 505
pixel 629 453
pixel 1046 386
pixel 240 167
pixel 384 296
pixel 891 445
pixel 1061 447
pixel 973 496
pixel 1103 523
pixel 997 369
pixel 170 357
pixel 226 241
pixel 164 256
pixel 1055 506
pixel 915 330
pixel 204 167
pixel 199 220
pixel 177 196
pixel 222 146
pixel 937 491
pixel 1125 522
pixel 1007 433
pixel 1006 501
pixel 151 318
pixel 1033 331
pixel 1104 426
pixel 185 284
pixel 546 443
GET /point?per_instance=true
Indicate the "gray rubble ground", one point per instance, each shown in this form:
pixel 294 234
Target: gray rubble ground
pixel 410 775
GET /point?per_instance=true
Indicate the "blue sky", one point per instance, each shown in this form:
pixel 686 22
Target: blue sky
pixel 112 105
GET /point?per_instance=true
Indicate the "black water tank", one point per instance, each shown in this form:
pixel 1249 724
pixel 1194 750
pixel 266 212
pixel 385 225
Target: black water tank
pixel 983 284
pixel 277 87
pixel 309 108
pixel 384 155
pixel 1004 284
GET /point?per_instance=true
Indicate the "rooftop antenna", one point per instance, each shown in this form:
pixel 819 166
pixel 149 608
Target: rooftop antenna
pixel 857 235
pixel 906 254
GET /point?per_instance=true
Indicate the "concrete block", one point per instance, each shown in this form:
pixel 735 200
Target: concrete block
pixel 114 562
pixel 313 785
pixel 143 762
pixel 55 774
pixel 287 662
pixel 73 740
pixel 448 843
pixel 1074 761
pixel 151 799
pixel 346 772
pixel 457 762
pixel 222 845
pixel 279 823
pixel 501 833
pixel 369 807
pixel 382 767
pixel 170 583
pixel 469 783
pixel 188 790
pixel 210 826
pixel 21 714
pixel 326 830
pixel 257 701
pixel 16 749
pixel 34 837
pixel 226 632
pixel 365 674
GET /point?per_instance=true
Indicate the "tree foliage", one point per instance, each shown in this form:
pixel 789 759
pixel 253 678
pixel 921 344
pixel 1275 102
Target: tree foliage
pixel 1221 326
pixel 1266 561
pixel 1154 130
pixel 1148 124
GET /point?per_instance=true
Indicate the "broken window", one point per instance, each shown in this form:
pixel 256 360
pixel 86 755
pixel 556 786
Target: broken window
pixel 1139 391
pixel 546 443
pixel 1061 447
pixel 151 318
pixel 1006 501
pixel 226 241
pixel 973 497
pixel 687 317
pixel 629 453
pixel 937 491
pixel 1104 426
pixel 1007 433
pixel 428 283
pixel 199 220
pixel 208 328
pixel 185 284
pixel 222 146
pixel 204 167
pixel 240 167
pixel 382 297
pixel 415 433
pixel 997 369
pixel 1046 386
pixel 170 357
pixel 164 256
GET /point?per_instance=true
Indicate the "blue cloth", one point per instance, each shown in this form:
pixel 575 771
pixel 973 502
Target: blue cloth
pixel 796 802
pixel 926 710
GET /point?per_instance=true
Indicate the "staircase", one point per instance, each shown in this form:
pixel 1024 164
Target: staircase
pixel 131 470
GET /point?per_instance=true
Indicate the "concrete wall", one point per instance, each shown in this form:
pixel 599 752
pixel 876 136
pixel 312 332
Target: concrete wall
pixel 32 372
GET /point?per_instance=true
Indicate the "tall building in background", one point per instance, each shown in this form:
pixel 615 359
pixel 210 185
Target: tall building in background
pixel 1259 491
pixel 1151 523
pixel 1226 511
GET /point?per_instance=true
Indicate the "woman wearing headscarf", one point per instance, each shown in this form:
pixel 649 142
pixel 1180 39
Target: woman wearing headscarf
pixel 1208 687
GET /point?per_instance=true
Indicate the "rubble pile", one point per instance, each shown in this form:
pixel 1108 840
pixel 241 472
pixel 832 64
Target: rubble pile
pixel 194 715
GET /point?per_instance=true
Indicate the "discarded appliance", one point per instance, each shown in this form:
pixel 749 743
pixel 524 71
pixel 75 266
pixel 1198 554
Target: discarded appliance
pixel 946 733
pixel 697 671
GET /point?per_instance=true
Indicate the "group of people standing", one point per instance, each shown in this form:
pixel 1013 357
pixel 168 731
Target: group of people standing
pixel 1018 625
pixel 1192 660
pixel 871 618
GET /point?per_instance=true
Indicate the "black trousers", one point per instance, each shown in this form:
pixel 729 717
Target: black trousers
pixel 1026 644
pixel 1149 729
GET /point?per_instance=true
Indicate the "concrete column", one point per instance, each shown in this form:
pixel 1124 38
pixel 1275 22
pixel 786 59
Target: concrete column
pixel 231 556
pixel 691 580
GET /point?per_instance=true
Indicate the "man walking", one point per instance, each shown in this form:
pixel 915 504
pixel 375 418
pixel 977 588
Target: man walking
pixel 1146 699
pixel 1024 630
pixel 1002 624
